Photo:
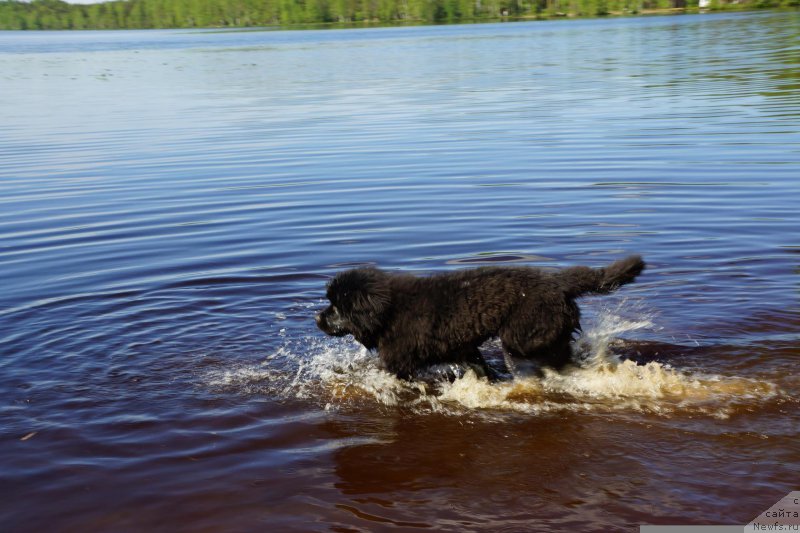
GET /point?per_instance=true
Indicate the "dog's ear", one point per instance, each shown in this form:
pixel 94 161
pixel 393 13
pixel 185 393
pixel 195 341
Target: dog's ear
pixel 360 292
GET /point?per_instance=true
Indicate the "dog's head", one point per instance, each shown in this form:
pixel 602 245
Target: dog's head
pixel 359 300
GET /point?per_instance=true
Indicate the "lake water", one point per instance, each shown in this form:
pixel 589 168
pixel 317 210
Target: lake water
pixel 172 204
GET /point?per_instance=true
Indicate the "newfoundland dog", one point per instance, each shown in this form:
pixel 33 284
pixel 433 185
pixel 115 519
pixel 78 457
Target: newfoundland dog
pixel 415 322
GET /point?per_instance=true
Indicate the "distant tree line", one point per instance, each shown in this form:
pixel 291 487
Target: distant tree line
pixel 57 15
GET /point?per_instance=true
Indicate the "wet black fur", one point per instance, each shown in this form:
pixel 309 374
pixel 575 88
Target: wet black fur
pixel 415 322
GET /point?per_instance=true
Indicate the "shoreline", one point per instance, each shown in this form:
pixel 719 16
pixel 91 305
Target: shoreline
pixel 48 24
pixel 665 12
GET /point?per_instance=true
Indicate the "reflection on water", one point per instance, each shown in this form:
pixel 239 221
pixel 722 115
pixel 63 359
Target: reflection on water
pixel 173 203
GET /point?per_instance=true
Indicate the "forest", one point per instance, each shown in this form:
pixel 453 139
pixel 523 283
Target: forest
pixel 57 15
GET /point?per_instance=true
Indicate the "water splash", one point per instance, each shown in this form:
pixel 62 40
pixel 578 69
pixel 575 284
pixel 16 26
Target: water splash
pixel 340 374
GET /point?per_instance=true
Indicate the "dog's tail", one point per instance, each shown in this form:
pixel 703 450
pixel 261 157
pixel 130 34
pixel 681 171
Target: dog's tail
pixel 582 280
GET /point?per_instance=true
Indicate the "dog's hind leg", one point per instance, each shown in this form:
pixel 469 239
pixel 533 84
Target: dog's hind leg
pixel 473 357
pixel 558 355
pixel 555 354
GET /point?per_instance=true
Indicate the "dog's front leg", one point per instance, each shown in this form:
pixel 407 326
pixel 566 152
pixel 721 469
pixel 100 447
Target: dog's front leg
pixel 395 361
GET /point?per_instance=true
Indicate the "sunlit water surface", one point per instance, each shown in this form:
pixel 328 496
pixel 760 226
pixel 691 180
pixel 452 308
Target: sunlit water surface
pixel 172 204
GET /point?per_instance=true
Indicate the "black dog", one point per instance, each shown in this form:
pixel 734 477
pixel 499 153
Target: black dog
pixel 415 322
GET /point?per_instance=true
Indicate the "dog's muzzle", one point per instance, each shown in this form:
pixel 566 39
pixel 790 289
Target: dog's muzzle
pixel 328 326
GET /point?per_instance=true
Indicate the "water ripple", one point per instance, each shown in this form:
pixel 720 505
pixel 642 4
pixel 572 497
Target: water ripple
pixel 173 203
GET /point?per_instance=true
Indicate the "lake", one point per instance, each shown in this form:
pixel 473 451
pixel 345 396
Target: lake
pixel 172 204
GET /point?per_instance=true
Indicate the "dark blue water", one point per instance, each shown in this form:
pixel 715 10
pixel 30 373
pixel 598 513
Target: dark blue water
pixel 172 204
